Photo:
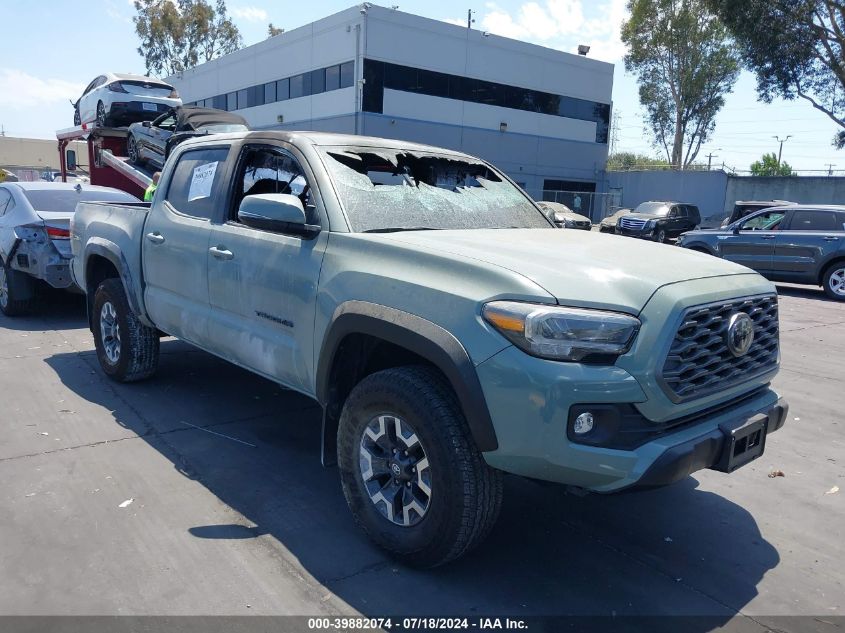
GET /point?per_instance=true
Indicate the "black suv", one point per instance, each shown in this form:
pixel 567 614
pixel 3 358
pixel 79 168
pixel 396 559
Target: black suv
pixel 659 221
pixel 800 244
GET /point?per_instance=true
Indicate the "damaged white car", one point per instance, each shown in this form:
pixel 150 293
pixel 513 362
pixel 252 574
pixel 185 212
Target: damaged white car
pixel 35 237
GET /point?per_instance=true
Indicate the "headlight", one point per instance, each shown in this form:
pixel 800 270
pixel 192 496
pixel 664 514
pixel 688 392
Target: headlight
pixel 557 333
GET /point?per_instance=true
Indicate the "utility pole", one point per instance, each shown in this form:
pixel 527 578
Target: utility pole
pixel 710 158
pixel 614 131
pixel 830 167
pixel 780 151
pixel 470 19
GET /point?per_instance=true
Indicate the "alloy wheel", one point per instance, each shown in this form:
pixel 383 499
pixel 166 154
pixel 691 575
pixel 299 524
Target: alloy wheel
pixel 4 287
pixel 836 282
pixel 110 332
pixel 132 148
pixel 101 114
pixel 395 470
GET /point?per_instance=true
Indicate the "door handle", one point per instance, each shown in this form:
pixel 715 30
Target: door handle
pixel 768 237
pixel 830 238
pixel 221 252
pixel 156 237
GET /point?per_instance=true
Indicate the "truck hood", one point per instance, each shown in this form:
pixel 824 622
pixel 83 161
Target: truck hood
pixel 576 267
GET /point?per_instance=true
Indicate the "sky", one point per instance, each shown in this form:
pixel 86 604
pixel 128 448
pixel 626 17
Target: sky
pixel 52 49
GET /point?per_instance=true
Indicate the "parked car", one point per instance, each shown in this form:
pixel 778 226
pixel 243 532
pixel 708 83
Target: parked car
pixel 659 220
pixel 152 141
pixel 608 224
pixel 744 208
pixel 114 99
pixel 35 237
pixel 803 244
pixel 447 330
pixel 564 217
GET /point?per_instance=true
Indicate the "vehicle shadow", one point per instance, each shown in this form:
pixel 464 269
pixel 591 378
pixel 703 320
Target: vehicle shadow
pixel 673 551
pixel 804 292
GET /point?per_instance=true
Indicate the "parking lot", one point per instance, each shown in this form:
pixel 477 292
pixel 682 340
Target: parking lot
pixel 201 492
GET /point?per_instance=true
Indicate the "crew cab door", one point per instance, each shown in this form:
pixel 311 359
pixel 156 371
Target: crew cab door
pixel 753 245
pixel 263 285
pixel 175 245
pixel 810 237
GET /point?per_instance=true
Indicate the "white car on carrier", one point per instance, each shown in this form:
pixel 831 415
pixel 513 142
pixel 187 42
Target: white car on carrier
pixel 114 99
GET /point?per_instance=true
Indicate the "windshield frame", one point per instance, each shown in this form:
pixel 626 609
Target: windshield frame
pixel 323 153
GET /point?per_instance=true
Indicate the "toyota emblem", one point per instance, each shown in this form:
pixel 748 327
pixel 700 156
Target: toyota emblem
pixel 740 334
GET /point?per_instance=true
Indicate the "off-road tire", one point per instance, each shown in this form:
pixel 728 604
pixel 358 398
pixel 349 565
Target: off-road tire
pixel 466 494
pixel 835 270
pixel 138 344
pixel 18 291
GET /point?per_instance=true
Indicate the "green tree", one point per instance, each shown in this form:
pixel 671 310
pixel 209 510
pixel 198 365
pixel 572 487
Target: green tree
pixel 795 47
pixel 273 31
pixel 685 65
pixel 768 165
pixel 179 34
pixel 626 161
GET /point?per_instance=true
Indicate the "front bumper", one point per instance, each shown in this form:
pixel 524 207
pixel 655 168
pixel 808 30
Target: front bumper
pixel 531 402
pixel 645 234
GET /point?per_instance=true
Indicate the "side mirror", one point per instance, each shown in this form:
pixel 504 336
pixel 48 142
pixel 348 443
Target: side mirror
pixel 276 212
pixel 735 229
pixel 146 123
pixel 70 159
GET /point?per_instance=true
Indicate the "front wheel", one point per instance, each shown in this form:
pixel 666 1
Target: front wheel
pixel 132 151
pixel 834 281
pixel 126 348
pixel 660 236
pixel 411 474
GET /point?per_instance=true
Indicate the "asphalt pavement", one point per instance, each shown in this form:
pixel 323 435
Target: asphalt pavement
pixel 200 492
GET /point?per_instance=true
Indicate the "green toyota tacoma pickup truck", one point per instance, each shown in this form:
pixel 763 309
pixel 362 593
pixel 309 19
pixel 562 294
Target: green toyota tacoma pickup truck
pixel 448 330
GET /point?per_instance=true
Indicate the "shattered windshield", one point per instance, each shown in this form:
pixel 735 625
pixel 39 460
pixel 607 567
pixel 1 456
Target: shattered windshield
pixel 386 189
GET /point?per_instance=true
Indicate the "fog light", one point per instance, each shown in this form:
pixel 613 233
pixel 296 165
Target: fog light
pixel 583 423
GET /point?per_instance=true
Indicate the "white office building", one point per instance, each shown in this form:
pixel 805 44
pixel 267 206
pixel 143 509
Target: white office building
pixel 539 114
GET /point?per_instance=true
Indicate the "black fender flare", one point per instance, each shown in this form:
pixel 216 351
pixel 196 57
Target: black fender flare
pixel 100 247
pixel 420 336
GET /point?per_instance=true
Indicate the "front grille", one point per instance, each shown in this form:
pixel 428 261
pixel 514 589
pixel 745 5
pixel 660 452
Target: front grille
pixel 582 224
pixel 633 224
pixel 699 361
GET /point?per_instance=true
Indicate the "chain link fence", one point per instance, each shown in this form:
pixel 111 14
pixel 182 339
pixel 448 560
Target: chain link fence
pixel 595 206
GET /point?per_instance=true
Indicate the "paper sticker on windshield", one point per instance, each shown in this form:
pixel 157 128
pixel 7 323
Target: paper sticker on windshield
pixel 201 181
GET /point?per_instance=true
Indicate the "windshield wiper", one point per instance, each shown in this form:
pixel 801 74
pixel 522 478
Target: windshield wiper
pixel 397 229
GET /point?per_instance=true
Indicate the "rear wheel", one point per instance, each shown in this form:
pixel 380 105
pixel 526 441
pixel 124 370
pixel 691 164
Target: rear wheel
pixel 126 348
pixel 17 291
pixel 834 281
pixel 411 474
pixel 101 114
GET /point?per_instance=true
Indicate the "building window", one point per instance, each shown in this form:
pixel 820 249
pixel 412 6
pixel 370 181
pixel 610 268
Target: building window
pixel 242 98
pixel 283 90
pixel 347 74
pixel 380 75
pixel 332 78
pixel 255 96
pixel 270 92
pixel 232 101
pixel 297 86
pixel 318 81
pixel 219 102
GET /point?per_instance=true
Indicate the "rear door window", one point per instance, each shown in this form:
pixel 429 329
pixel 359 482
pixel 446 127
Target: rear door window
pixel 196 187
pixel 814 221
pixel 5 197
